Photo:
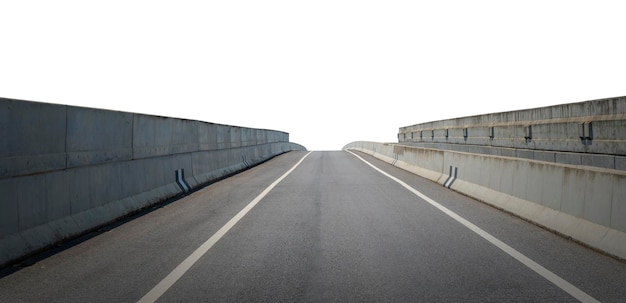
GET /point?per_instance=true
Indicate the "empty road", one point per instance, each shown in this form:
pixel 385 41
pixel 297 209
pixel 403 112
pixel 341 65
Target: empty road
pixel 321 226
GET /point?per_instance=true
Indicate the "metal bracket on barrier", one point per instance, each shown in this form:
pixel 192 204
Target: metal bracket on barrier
pixel 180 180
pixel 586 133
pixel 451 176
pixel 528 133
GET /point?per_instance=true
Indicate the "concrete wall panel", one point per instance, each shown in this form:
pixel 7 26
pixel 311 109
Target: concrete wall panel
pixel 572 192
pixel 552 177
pixel 609 130
pixel 507 176
pixel 546 156
pixel 57 196
pixel 261 136
pixel 133 177
pixel 80 192
pixel 30 128
pixel 105 184
pixel 569 158
pixel 247 137
pixel 32 201
pixel 598 192
pixel 235 137
pixel 620 162
pixel 98 136
pixel 207 133
pixel 9 211
pixel 521 183
pixel 618 204
pixel 204 161
pixel 158 136
pixel 604 161
pixel 223 137
pixel 32 137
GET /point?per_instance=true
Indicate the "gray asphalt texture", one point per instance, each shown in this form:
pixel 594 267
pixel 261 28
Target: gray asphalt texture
pixel 334 230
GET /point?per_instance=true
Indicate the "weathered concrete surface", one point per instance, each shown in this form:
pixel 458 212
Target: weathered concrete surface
pixel 582 202
pixel 65 170
pixel 584 133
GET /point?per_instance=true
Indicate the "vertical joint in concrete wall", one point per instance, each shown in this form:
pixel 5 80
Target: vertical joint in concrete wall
pixel 132 136
pixel 245 162
pixel 65 137
pixel 586 133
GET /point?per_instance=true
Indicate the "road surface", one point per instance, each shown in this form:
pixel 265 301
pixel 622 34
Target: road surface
pixel 323 226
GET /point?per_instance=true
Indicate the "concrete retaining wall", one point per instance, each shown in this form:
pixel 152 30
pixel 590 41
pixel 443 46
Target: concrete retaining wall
pixel 582 202
pixel 65 170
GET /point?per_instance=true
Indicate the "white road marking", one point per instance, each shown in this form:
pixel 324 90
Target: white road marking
pixel 183 267
pixel 550 276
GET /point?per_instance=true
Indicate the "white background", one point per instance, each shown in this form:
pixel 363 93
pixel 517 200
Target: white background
pixel 327 72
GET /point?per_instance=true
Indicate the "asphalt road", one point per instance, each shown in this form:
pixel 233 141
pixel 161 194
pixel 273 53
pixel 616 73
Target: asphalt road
pixel 333 229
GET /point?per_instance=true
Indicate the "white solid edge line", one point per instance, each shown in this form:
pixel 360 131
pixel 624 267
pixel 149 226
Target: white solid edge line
pixel 183 267
pixel 550 276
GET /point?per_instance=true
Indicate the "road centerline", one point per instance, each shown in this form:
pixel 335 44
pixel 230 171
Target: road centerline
pixel 157 291
pixel 536 267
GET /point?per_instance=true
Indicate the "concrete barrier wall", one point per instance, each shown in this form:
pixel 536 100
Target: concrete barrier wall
pixel 65 170
pixel 589 133
pixel 582 202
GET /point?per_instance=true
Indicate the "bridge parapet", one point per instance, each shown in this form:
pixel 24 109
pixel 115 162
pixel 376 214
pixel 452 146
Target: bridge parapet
pixel 585 203
pixel 585 133
pixel 65 170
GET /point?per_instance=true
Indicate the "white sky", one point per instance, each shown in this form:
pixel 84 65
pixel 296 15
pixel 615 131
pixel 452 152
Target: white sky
pixel 327 72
